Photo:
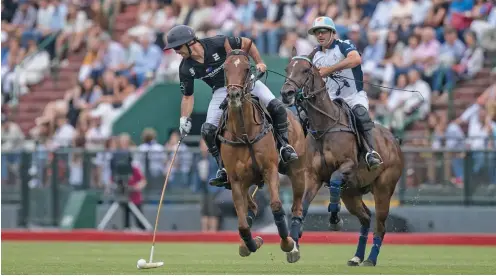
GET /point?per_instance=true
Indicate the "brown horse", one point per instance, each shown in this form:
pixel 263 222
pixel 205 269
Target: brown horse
pixel 250 155
pixel 334 156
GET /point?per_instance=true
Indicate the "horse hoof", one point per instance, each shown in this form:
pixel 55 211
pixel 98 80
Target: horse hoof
pixel 336 226
pixel 243 249
pixel 294 255
pixel 367 263
pixel 259 241
pixel 355 261
pixel 288 244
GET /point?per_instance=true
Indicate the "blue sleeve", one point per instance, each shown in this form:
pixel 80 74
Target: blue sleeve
pixel 346 46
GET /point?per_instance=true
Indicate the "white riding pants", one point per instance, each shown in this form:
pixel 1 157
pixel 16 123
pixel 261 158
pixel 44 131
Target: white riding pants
pixel 214 112
pixel 354 99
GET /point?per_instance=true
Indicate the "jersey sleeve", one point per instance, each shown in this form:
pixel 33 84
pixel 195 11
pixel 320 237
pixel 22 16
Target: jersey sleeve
pixel 186 81
pixel 235 42
pixel 346 46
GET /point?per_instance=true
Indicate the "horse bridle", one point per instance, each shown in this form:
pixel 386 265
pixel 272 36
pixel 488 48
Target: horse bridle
pixel 301 96
pixel 245 85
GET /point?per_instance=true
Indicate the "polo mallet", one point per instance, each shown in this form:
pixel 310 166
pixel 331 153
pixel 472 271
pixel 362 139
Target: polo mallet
pixel 142 263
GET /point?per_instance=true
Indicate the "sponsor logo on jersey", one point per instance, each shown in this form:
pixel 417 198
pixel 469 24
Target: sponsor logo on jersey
pixel 216 56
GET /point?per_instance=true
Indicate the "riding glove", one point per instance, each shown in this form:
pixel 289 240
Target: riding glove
pixel 184 125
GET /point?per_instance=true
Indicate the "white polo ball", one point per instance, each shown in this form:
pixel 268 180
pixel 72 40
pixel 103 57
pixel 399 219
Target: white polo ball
pixel 141 263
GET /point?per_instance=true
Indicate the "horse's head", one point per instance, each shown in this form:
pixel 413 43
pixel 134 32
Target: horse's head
pixel 237 70
pixel 299 72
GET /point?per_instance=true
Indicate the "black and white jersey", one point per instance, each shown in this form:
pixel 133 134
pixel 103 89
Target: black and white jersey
pixel 211 71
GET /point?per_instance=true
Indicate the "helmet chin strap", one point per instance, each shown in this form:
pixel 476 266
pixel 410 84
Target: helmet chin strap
pixel 189 48
pixel 328 42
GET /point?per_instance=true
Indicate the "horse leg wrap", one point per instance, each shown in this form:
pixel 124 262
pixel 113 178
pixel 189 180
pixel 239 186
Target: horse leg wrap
pixel 296 228
pixel 375 249
pixel 250 217
pixel 306 205
pixel 247 238
pixel 362 242
pixel 280 220
pixel 335 194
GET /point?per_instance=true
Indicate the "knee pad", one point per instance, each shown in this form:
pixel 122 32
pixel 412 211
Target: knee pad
pixel 363 116
pixel 278 112
pixel 209 133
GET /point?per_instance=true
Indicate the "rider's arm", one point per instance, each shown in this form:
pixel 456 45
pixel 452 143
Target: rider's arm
pixel 186 83
pixel 352 59
pixel 242 43
pixel 253 51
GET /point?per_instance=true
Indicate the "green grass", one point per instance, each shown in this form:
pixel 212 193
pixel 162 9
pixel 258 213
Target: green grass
pixel 121 258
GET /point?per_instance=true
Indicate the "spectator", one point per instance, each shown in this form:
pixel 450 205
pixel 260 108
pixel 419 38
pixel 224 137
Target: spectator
pixel 178 178
pixel 426 57
pixel 12 142
pixel 73 33
pixel 373 53
pixel 76 162
pixel 149 60
pixel 63 135
pixel 110 56
pixel 152 159
pixel 133 51
pixel 13 55
pixel 420 11
pixel 97 135
pixel 268 38
pixel 403 8
pixel 291 40
pixel 31 71
pixel 355 35
pixel 24 19
pixel 103 172
pixel 470 64
pixel 91 59
pixel 150 20
pixel 82 101
pixel 480 132
pixel 382 15
pixel 244 14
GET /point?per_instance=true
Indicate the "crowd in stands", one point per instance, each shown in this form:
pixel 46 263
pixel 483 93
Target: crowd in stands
pixel 423 45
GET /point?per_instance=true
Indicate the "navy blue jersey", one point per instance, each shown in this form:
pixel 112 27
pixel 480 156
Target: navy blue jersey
pixel 211 71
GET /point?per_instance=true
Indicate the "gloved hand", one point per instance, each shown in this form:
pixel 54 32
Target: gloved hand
pixel 184 125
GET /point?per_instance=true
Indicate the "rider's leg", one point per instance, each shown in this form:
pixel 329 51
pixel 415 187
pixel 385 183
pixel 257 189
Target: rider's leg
pixel 372 158
pixel 209 132
pixel 280 119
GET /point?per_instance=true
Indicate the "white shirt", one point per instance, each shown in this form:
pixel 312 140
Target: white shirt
pixel 339 86
pixel 156 158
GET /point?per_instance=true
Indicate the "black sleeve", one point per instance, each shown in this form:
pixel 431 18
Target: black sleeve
pixel 235 42
pixel 186 80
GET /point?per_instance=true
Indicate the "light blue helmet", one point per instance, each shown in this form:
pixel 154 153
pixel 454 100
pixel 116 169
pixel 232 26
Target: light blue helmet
pixel 322 22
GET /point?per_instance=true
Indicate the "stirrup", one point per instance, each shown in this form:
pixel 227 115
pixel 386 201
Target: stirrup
pixel 374 154
pixel 284 147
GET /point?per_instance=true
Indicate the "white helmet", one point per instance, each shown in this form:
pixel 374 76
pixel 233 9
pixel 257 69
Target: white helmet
pixel 322 22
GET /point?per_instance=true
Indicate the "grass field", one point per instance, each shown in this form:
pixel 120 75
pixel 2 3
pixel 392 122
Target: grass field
pixel 188 258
